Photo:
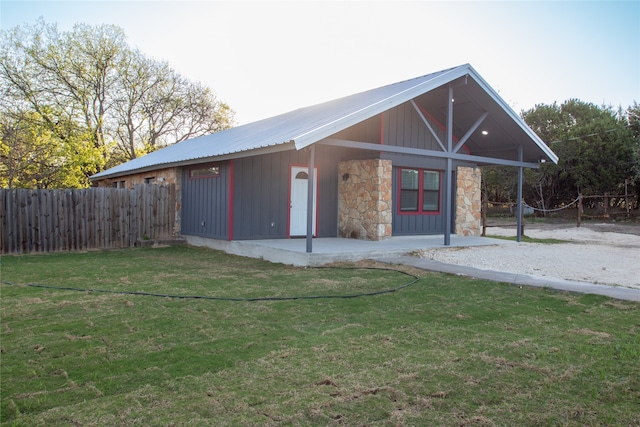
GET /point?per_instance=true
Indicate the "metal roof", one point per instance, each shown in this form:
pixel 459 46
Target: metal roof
pixel 305 126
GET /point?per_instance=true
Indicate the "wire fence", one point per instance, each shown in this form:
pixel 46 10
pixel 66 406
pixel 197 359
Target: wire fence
pixel 605 207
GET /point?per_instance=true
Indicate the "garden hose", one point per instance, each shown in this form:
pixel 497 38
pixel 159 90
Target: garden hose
pixel 206 297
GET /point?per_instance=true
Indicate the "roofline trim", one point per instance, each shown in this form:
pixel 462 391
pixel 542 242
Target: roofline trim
pixel 310 137
pixel 514 116
pixel 231 156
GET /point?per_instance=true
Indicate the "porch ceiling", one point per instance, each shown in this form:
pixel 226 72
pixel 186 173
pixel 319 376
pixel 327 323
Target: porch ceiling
pixel 503 134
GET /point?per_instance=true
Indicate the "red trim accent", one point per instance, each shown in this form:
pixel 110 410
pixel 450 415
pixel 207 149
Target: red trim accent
pixel 231 201
pixel 420 193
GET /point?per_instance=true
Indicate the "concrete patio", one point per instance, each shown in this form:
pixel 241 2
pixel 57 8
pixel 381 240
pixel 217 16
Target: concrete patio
pixel 329 250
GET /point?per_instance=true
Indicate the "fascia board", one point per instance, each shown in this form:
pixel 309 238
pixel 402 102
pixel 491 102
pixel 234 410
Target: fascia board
pixel 310 137
pixel 514 116
pixel 220 158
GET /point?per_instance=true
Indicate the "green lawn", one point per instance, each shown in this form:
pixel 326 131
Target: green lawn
pixel 444 351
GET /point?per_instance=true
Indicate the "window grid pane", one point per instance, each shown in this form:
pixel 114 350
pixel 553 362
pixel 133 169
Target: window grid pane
pixel 431 180
pixel 430 201
pixel 409 179
pixel 409 200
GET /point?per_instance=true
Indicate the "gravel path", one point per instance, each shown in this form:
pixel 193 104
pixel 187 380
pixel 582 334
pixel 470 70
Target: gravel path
pixel 592 255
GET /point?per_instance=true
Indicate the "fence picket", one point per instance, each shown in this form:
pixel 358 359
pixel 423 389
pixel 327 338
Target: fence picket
pixel 93 218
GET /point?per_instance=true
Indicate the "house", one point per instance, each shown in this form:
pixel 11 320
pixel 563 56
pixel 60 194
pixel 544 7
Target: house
pixel 398 160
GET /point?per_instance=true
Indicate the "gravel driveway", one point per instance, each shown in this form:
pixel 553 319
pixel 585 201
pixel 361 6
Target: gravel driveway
pixel 595 253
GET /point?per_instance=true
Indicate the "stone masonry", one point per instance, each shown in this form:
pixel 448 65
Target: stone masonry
pixel 468 202
pixel 364 199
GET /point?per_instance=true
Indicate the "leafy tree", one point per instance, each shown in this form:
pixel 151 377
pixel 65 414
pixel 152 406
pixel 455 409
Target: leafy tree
pixel 85 92
pixel 34 156
pixel 597 149
pixel 633 115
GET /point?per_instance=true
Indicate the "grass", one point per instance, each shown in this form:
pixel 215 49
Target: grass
pixel 528 239
pixel 445 351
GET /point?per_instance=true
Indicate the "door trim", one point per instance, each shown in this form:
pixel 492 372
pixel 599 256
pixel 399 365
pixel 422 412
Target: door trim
pixel 302 168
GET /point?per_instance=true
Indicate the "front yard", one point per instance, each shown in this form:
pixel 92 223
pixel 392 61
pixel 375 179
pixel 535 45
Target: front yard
pixel 445 350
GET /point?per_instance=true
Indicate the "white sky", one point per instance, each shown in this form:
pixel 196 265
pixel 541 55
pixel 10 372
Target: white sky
pixel 265 58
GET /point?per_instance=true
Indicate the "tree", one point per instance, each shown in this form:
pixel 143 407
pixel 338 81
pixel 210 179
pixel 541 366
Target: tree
pixel 597 148
pixel 91 92
pixel 633 116
pixel 158 107
pixel 33 156
pixel 594 144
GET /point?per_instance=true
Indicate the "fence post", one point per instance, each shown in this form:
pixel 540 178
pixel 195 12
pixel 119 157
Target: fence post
pixel 579 209
pixel 485 206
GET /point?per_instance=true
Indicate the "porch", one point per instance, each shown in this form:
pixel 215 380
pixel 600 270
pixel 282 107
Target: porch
pixel 330 250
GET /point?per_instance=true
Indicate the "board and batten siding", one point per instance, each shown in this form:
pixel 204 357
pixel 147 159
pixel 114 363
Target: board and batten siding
pixel 205 204
pixel 403 127
pixel 261 192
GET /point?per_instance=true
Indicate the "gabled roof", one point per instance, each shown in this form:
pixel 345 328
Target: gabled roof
pixel 305 126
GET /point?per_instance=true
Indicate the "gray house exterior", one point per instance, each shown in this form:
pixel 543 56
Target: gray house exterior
pixel 397 160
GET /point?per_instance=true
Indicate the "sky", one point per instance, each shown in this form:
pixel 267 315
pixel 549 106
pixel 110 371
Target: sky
pixel 264 58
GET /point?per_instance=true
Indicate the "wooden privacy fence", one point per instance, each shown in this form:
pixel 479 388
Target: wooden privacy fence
pixel 80 219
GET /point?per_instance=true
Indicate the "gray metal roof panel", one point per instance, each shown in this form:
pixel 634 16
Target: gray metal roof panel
pixel 304 123
pixel 308 125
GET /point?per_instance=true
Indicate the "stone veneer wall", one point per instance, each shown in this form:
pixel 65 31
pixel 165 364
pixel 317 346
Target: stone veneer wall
pixel 168 176
pixel 468 202
pixel 364 199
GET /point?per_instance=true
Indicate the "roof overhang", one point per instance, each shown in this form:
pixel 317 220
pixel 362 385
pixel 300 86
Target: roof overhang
pixel 507 132
pixel 477 108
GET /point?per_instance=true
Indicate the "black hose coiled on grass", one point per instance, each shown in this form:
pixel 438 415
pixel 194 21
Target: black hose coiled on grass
pixel 205 297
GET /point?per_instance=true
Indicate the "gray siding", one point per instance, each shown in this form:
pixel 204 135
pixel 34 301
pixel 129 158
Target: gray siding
pixel 205 204
pixel 403 127
pixel 261 192
pixel 260 184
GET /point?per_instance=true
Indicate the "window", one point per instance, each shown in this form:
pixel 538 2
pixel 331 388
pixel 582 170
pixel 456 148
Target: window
pixel 149 180
pixel 206 171
pixel 120 184
pixel 431 191
pixel 419 191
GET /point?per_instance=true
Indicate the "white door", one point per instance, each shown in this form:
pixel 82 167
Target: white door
pixel 298 203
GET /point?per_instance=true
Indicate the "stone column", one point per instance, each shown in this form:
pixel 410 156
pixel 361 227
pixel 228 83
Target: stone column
pixel 468 201
pixel 364 199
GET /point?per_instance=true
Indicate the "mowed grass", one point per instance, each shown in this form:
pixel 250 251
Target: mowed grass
pixel 444 351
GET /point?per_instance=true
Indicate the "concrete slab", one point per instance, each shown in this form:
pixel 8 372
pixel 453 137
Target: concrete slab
pixel 329 250
pixel 397 250
pixel 618 292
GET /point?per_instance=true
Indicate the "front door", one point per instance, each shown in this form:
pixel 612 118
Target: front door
pixel 298 203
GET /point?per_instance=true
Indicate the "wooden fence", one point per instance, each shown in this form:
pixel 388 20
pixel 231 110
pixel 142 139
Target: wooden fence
pixel 92 218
